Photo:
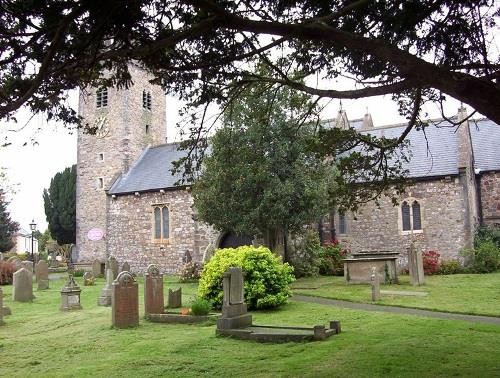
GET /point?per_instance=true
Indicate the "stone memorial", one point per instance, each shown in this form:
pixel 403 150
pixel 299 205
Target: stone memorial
pixel 22 288
pixel 106 292
pixel 125 267
pixel 113 265
pixel 70 295
pixel 375 281
pixel 88 279
pixel 96 268
pixel 42 275
pixel 16 261
pixel 175 298
pixel 153 291
pixel 125 302
pixel 28 265
pixel 53 260
pixel 415 265
pixel 234 309
pixel 1 307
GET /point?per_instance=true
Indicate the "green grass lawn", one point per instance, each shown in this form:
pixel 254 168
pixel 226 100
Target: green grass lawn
pixel 39 340
pixel 477 294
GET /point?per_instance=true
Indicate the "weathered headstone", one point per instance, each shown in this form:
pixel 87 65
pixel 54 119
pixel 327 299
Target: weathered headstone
pixel 16 261
pixel 96 268
pixel 22 290
pixel 125 267
pixel 53 260
pixel 234 309
pixel 42 275
pixel 125 303
pixel 106 292
pixel 415 265
pixel 6 311
pixel 88 279
pixel 1 307
pixel 153 291
pixel 70 295
pixel 375 281
pixel 175 298
pixel 28 265
pixel 113 265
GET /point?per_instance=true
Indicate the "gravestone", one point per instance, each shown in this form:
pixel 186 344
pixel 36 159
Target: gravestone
pixel 153 291
pixel 88 279
pixel 125 267
pixel 42 275
pixel 53 261
pixel 16 261
pixel 1 307
pixel 234 309
pixel 28 265
pixel 415 265
pixel 125 302
pixel 175 298
pixel 113 265
pixel 106 292
pixel 96 268
pixel 375 281
pixel 70 295
pixel 22 289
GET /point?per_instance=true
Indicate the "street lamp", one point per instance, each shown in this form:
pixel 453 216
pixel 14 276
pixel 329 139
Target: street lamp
pixel 33 228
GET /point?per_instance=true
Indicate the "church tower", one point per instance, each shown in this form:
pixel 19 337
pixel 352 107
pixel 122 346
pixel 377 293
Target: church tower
pixel 126 120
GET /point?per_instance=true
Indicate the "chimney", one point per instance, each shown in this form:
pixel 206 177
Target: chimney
pixel 464 143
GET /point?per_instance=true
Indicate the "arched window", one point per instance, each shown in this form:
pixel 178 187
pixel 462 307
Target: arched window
pixel 146 100
pixel 405 212
pixel 417 220
pixel 102 97
pixel 411 216
pixel 161 225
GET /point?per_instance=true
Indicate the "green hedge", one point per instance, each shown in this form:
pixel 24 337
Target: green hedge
pixel 266 278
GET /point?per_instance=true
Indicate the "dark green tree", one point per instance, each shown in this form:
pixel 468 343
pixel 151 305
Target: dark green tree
pixel 7 226
pixel 60 206
pixel 260 176
pixel 42 238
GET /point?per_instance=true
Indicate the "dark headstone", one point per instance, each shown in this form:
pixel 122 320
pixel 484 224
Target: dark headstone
pixel 153 291
pixel 125 302
pixel 175 298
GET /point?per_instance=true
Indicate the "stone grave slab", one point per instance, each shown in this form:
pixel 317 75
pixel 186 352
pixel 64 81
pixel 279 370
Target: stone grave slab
pixel 125 302
pixel 125 267
pixel 153 291
pixel 96 268
pixel 42 275
pixel 113 265
pixel 22 288
pixel 175 298
pixel 88 279
pixel 70 295
pixel 106 292
pixel 405 293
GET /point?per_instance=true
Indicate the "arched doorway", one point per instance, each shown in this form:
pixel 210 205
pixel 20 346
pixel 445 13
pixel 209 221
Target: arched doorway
pixel 232 240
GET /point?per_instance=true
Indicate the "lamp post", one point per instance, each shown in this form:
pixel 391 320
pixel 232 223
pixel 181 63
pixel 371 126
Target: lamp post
pixel 33 228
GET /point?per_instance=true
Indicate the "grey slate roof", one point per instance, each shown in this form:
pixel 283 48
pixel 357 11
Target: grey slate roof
pixel 151 171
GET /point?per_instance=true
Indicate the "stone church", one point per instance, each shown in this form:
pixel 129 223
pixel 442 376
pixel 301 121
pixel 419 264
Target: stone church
pixel 129 207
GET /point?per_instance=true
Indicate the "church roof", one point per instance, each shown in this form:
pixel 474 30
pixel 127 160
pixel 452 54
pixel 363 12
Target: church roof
pixel 151 171
pixel 433 154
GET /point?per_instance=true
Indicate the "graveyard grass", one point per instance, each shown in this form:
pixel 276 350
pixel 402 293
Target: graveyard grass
pixel 40 341
pixel 476 294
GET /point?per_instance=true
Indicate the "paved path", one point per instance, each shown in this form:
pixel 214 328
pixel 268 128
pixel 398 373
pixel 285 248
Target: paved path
pixel 397 310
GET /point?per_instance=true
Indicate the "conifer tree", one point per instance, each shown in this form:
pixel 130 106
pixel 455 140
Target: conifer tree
pixel 7 226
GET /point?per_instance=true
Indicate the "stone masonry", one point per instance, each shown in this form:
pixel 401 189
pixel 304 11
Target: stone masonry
pixel 106 157
pixel 490 198
pixel 130 231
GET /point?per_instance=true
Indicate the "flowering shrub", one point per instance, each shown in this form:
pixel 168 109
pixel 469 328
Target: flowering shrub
pixel 331 255
pixel 266 278
pixel 6 272
pixel 431 262
pixel 191 271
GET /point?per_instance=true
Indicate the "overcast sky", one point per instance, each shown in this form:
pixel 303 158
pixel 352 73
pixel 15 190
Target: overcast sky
pixel 40 150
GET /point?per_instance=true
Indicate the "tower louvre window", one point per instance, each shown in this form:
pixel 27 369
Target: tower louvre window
pixel 146 100
pixel 100 183
pixel 147 129
pixel 102 97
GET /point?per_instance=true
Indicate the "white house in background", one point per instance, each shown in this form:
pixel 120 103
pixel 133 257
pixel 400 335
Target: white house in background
pixel 22 240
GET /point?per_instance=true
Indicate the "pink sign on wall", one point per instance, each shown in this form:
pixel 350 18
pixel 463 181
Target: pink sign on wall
pixel 95 234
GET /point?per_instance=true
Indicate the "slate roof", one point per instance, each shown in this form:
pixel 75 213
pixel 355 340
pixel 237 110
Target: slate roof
pixel 436 156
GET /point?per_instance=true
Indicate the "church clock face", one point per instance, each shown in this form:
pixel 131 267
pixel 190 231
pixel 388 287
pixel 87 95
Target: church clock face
pixel 101 124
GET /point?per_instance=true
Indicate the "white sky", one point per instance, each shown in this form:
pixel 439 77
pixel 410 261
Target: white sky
pixel 30 167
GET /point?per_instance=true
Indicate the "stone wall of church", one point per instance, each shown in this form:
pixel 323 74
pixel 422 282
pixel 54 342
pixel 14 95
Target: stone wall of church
pixel 490 198
pixel 130 231
pixel 442 210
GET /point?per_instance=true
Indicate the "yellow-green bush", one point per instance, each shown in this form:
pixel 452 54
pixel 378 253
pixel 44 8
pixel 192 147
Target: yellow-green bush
pixel 266 278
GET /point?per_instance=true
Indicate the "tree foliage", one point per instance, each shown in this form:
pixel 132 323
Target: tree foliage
pixel 260 176
pixel 416 50
pixel 7 226
pixel 60 206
